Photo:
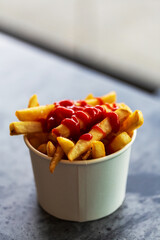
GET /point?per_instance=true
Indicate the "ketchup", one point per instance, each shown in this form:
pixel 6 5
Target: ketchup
pixel 114 121
pixel 56 132
pixel 82 103
pixel 69 114
pixel 65 103
pixel 99 129
pixel 73 125
pixel 83 117
pixel 86 137
pixel 114 106
pixel 100 100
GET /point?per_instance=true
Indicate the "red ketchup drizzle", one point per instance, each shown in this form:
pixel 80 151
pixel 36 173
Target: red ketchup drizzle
pixel 43 123
pixel 86 137
pixel 82 103
pixel 56 116
pixel 99 129
pixel 100 100
pixel 56 132
pixel 114 107
pixel 67 113
pixel 83 117
pixel 114 121
pixel 65 103
pixel 73 125
pixel 94 114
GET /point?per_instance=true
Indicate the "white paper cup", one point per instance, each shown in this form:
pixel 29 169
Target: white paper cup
pixel 81 190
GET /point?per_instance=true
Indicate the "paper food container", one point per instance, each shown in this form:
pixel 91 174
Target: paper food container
pixel 81 190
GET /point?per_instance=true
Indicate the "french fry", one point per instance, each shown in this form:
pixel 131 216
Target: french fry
pixel 33 101
pixel 25 127
pixel 123 114
pixel 89 96
pixel 51 137
pixel 56 158
pixel 35 142
pixel 66 144
pixel 62 130
pixel 107 133
pixel 41 136
pixel 108 98
pixel 98 149
pixel 86 155
pixel 82 146
pixel 50 149
pixel 42 148
pixel 124 106
pixel 134 121
pixel 34 113
pixel 119 142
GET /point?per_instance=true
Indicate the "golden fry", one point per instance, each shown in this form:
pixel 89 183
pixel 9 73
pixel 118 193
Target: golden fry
pixel 98 149
pixel 65 144
pixel 124 106
pixel 25 127
pixel 89 96
pixel 34 113
pixel 62 130
pixel 108 98
pixel 41 136
pixel 50 149
pixel 33 101
pixel 42 148
pixel 119 142
pixel 134 121
pixel 56 158
pixel 87 155
pixel 35 142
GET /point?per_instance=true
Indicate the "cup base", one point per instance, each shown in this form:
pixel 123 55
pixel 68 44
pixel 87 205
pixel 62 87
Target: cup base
pixel 80 220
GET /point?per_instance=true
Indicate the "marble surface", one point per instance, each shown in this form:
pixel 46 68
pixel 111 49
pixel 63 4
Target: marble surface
pixel 25 70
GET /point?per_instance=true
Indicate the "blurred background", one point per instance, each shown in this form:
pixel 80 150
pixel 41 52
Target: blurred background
pixel 119 38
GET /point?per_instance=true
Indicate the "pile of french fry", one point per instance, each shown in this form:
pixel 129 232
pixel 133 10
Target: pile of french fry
pixel 63 146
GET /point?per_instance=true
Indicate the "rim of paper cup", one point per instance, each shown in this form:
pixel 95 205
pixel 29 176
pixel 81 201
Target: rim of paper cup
pixel 82 162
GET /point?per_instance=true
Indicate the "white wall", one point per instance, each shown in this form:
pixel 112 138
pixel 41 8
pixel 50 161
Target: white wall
pixel 124 34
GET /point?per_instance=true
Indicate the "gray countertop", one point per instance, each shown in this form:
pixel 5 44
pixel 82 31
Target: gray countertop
pixel 25 70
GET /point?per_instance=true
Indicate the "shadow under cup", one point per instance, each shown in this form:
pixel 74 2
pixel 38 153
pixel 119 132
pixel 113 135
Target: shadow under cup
pixel 81 190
